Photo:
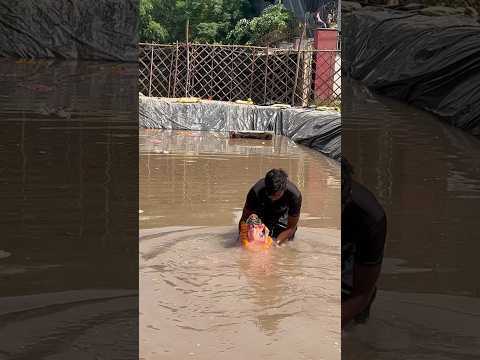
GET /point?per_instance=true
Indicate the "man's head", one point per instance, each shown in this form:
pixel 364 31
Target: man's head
pixel 347 173
pixel 275 183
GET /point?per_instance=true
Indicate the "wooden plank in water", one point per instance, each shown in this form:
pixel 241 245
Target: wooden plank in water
pixel 252 134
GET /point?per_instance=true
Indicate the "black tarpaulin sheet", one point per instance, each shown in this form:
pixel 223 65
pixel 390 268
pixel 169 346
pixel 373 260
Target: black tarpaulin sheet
pixel 430 62
pixel 319 130
pixel 76 29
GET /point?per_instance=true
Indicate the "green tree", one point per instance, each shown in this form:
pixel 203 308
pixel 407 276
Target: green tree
pixel 275 19
pixel 150 28
pixel 207 32
pixel 241 33
pixel 212 21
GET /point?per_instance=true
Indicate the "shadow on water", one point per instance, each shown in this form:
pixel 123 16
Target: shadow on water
pixel 426 174
pixel 68 175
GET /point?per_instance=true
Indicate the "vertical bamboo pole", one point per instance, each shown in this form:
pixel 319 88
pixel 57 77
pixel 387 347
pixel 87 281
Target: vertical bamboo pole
pixel 266 74
pixel 188 70
pixel 230 92
pixel 187 30
pixel 212 83
pixel 170 74
pixel 192 73
pixel 251 75
pixel 176 72
pixel 298 63
pixel 151 71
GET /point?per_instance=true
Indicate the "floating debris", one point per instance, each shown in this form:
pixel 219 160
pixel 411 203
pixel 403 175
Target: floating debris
pixel 60 112
pixel 4 254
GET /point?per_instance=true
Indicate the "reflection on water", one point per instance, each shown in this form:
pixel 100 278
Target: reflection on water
pixel 202 178
pixel 68 145
pixel 201 294
pixel 427 176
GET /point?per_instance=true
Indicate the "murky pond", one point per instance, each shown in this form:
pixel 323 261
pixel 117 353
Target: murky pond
pixel 201 295
pixel 427 176
pixel 68 184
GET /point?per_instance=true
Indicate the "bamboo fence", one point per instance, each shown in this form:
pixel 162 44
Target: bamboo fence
pixel 231 72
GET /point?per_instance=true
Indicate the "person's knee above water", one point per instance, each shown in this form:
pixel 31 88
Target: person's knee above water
pixel 363 240
pixel 277 202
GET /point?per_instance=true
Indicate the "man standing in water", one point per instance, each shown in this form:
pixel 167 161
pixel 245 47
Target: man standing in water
pixel 364 228
pixel 277 202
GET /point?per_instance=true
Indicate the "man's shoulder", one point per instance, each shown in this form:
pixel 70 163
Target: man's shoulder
pixel 258 186
pixel 293 189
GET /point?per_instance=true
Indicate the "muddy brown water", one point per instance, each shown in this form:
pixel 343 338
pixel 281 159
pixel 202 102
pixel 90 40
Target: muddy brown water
pixel 427 176
pixel 68 200
pixel 204 297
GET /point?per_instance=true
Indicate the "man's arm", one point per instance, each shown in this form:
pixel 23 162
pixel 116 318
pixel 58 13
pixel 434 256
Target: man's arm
pixel 245 214
pixel 295 207
pixel 366 271
pixel 364 279
pixel 249 207
pixel 289 231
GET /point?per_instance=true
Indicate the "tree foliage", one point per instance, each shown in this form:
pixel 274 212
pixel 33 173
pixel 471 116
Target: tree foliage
pixel 274 19
pixel 211 21
pixel 151 26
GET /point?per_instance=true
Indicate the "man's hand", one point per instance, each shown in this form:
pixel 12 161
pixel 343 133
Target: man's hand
pixel 289 231
pixel 283 236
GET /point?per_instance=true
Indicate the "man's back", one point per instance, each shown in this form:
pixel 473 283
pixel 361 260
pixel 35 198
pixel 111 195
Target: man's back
pixel 270 212
pixel 363 231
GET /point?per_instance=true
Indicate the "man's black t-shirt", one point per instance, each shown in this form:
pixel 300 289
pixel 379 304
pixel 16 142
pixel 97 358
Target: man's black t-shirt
pixel 274 212
pixel 364 227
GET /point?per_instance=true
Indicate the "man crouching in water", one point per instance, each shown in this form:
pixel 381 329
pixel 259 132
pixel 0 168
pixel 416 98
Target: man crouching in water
pixel 277 202
pixel 364 227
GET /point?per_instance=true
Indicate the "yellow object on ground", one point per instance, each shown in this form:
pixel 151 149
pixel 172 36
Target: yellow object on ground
pixel 327 108
pixel 281 106
pixel 244 102
pixel 188 100
pixel 25 61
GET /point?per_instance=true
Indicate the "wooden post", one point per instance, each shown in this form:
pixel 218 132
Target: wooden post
pixel 230 93
pixel 187 25
pixel 187 30
pixel 151 71
pixel 266 74
pixel 170 74
pixel 251 76
pixel 212 83
pixel 298 63
pixel 176 72
pixel 188 70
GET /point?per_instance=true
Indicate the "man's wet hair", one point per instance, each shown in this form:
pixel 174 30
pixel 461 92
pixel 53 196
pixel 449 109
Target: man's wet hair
pixel 347 174
pixel 275 180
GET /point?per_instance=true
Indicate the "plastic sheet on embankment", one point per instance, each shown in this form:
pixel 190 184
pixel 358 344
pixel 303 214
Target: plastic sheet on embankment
pixel 430 62
pixel 87 29
pixel 319 130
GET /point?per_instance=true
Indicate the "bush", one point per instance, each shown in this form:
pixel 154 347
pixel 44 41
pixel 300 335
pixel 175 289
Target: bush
pixel 274 19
